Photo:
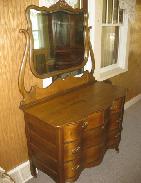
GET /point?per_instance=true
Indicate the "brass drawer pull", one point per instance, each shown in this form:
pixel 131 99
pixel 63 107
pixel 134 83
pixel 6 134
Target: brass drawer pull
pixel 85 124
pixel 103 127
pixel 76 167
pixel 76 150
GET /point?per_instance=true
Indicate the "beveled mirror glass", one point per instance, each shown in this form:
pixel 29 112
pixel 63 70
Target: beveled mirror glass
pixel 56 40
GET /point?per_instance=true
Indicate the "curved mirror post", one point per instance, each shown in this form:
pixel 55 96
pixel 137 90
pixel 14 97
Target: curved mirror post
pixel 57 41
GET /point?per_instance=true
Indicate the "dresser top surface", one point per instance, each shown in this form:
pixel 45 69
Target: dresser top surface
pixel 76 105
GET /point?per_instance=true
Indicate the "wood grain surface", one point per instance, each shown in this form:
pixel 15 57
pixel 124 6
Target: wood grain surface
pixel 13 150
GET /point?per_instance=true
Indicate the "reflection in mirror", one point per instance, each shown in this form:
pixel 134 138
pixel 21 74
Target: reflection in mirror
pixel 58 40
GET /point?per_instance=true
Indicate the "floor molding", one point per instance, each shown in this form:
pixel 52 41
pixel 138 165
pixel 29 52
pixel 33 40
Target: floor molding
pixel 21 174
pixel 132 101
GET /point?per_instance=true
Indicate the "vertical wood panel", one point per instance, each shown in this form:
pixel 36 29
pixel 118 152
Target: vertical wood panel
pixel 132 79
pixel 13 150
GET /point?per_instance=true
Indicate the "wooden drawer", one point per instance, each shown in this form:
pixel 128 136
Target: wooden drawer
pixel 117 105
pixel 94 120
pixel 94 137
pixel 115 120
pixel 72 132
pixel 114 137
pixel 72 150
pixel 72 169
pixel 93 153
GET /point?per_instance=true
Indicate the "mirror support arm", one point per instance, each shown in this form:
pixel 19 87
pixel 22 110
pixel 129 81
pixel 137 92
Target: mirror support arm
pixel 91 52
pixel 21 85
pixel 88 45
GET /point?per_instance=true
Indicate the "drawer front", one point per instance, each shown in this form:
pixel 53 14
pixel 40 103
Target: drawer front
pixel 92 154
pixel 94 137
pixel 72 150
pixel 72 169
pixel 114 138
pixel 72 132
pixel 118 105
pixel 115 120
pixel 95 120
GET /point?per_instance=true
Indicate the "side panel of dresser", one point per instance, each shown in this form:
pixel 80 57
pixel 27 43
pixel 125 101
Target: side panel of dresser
pixel 45 148
pixel 115 125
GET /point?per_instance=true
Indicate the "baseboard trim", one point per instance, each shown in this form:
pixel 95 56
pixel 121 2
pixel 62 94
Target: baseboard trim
pixel 21 174
pixel 132 101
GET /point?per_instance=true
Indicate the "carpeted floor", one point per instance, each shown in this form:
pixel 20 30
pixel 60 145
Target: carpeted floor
pixel 124 167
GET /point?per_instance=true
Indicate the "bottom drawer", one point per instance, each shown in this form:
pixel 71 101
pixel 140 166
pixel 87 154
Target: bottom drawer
pixel 72 169
pixel 92 154
pixel 114 138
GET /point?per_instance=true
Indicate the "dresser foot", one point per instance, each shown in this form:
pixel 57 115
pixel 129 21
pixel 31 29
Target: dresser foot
pixel 33 170
pixel 117 149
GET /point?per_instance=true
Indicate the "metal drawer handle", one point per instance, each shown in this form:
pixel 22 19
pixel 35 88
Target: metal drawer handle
pixel 76 150
pixel 76 167
pixel 85 124
pixel 103 127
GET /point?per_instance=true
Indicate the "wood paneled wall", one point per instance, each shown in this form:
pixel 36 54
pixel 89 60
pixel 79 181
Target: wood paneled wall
pixel 132 79
pixel 13 150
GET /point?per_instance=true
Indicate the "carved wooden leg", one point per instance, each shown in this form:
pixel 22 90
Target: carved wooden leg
pixel 33 169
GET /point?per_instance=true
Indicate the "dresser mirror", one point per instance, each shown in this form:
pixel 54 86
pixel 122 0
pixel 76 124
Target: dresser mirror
pixel 57 39
pixel 58 43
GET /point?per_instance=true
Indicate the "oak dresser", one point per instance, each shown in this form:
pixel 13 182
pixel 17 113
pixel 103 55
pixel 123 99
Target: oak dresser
pixel 73 122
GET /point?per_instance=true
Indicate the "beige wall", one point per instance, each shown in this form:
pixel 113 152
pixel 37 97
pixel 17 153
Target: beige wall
pixel 13 150
pixel 132 79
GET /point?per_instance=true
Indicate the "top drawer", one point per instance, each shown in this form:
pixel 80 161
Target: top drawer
pixel 72 131
pixel 97 119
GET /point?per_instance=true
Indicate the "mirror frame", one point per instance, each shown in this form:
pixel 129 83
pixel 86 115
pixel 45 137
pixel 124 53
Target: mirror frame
pixel 61 5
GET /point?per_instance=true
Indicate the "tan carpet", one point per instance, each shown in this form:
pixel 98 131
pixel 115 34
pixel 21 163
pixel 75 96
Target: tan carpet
pixel 124 167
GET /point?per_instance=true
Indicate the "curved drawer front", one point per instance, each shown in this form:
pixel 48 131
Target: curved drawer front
pixel 117 105
pixel 72 132
pixel 93 154
pixel 95 120
pixel 72 169
pixel 94 137
pixel 114 138
pixel 115 120
pixel 72 150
